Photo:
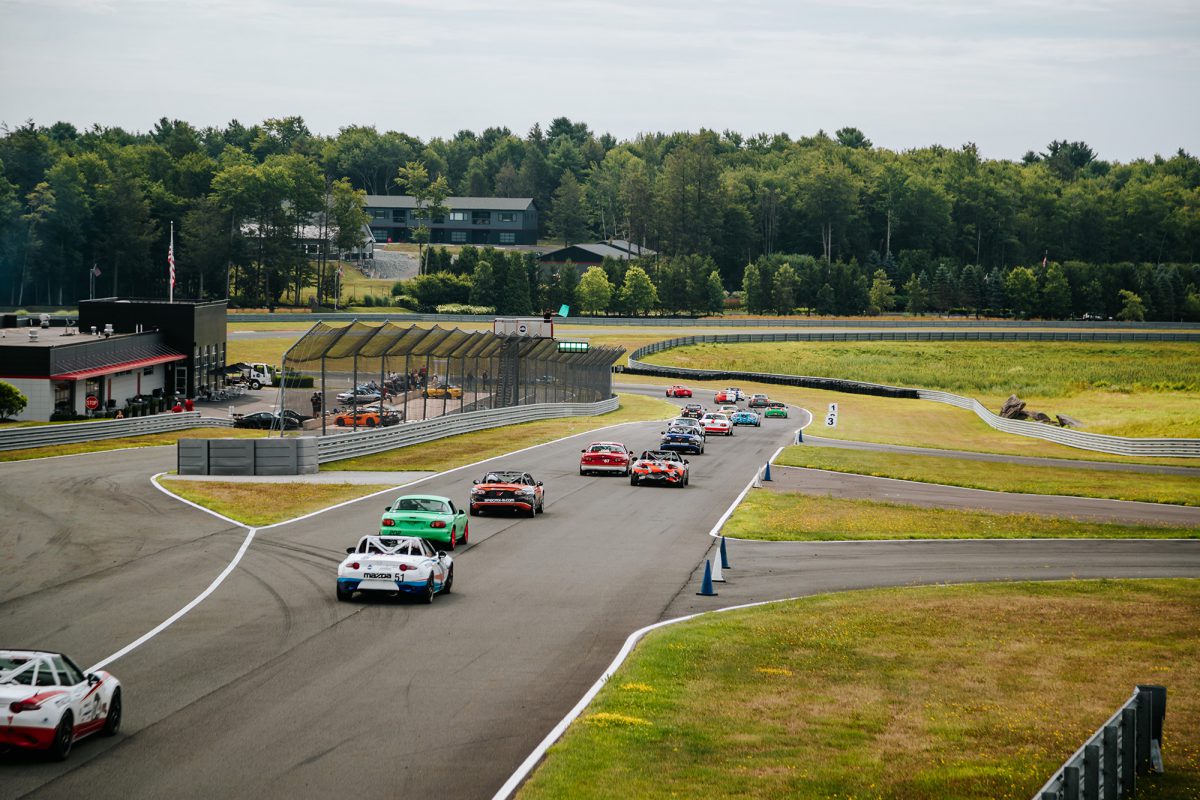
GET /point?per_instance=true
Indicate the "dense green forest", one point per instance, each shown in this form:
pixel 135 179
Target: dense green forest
pixel 823 224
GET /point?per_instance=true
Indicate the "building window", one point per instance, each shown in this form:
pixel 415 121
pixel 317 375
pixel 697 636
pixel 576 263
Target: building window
pixel 147 370
pixel 508 238
pixel 481 218
pixel 458 216
pixel 458 236
pixel 380 234
pixel 508 216
pixel 398 216
pixel 62 395
pixel 379 213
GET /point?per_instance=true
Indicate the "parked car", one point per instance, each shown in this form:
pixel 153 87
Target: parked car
pixel 444 390
pixel 367 418
pixel 360 396
pixel 265 420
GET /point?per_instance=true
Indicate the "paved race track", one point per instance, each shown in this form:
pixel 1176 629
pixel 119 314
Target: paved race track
pixel 271 688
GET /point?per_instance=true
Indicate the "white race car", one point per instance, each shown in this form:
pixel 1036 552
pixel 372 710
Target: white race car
pixel 717 423
pixel 395 564
pixel 47 703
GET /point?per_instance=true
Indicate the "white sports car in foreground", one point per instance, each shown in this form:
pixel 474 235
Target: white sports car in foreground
pixel 47 703
pixel 395 564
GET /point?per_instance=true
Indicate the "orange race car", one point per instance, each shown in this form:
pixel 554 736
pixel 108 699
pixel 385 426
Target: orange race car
pixel 662 467
pixel 367 419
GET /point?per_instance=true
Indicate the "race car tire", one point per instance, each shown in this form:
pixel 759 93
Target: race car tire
pixel 533 509
pixel 473 511
pixel 541 509
pixel 255 385
pixel 633 481
pixel 449 580
pixel 340 422
pixel 64 737
pixel 581 471
pixel 687 479
pixel 466 533
pixel 112 722
pixel 344 595
pixel 370 422
pixel 427 595
pixel 453 543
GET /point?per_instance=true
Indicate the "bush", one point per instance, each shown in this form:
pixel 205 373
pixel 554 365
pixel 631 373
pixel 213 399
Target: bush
pixel 11 400
pixel 294 380
pixel 463 308
pixel 66 416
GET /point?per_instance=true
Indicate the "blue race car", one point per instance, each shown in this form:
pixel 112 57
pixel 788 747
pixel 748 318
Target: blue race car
pixel 746 418
pixel 682 440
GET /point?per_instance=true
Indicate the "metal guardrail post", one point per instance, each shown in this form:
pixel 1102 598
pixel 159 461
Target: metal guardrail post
pixel 1091 772
pixel 1111 750
pixel 1128 749
pixel 1071 782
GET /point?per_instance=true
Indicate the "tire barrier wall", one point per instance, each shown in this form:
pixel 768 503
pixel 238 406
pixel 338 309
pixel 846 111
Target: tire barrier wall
pixel 74 432
pixel 377 440
pixel 719 322
pixel 1108 763
pixel 1115 445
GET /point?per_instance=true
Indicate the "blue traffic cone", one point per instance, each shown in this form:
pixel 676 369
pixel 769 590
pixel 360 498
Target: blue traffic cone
pixel 724 555
pixel 800 436
pixel 767 472
pixel 706 586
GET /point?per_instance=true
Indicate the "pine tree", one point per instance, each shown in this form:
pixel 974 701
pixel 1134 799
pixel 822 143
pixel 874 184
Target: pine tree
pixel 785 290
pixel 516 298
pixel 716 293
pixel 883 294
pixel 483 284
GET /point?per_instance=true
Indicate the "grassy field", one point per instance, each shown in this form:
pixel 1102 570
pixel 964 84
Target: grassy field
pixel 244 501
pixel 1000 477
pixel 976 691
pixel 1126 389
pixel 465 448
pixel 789 517
pixel 146 440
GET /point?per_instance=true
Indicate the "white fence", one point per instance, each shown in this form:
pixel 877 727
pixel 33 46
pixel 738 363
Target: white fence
pixel 377 440
pixel 72 432
pixel 1101 443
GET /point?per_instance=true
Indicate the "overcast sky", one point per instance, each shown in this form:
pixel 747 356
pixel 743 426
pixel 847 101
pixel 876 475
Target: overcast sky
pixel 1009 75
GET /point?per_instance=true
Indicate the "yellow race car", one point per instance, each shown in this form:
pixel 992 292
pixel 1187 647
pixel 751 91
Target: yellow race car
pixel 444 390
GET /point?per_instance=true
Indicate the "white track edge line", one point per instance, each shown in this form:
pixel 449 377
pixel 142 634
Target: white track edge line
pixel 162 626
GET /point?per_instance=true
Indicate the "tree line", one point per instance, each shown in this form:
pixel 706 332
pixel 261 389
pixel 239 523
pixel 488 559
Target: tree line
pixel 72 199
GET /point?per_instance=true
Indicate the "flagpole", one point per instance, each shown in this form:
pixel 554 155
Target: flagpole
pixel 171 262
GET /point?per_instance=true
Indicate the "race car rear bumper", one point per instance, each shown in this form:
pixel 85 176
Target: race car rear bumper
pixel 621 468
pixel 519 505
pixel 26 736
pixel 406 587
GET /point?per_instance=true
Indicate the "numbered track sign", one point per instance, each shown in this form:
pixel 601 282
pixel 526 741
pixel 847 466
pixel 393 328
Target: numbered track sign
pixel 831 421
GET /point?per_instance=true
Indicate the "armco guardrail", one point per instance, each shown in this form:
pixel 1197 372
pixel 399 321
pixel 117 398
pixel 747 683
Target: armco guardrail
pixel 712 322
pixel 72 432
pixel 1109 761
pixel 350 445
pixel 1101 443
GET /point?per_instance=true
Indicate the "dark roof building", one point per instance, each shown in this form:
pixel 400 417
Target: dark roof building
pixel 472 220
pixel 592 254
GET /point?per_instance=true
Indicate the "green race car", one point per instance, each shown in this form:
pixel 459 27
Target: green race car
pixel 776 410
pixel 428 517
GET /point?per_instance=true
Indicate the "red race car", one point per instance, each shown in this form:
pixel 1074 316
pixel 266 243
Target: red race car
pixel 728 396
pixel 509 490
pixel 679 391
pixel 610 457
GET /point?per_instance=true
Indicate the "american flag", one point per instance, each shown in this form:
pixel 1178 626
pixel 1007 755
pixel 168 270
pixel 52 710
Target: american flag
pixel 171 260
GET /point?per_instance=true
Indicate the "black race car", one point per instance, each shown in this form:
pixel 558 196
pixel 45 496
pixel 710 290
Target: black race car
pixel 693 411
pixel 265 420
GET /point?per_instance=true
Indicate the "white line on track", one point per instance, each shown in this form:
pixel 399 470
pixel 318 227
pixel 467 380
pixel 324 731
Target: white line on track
pixel 250 532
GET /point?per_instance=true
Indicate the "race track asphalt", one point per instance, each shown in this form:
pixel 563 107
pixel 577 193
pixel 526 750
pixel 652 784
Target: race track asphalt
pixel 271 688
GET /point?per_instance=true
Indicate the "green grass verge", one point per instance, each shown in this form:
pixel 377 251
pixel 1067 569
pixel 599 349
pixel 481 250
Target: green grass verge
pixel 1000 477
pixel 977 691
pixel 465 448
pixel 244 501
pixel 1142 389
pixel 785 517
pixel 147 440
